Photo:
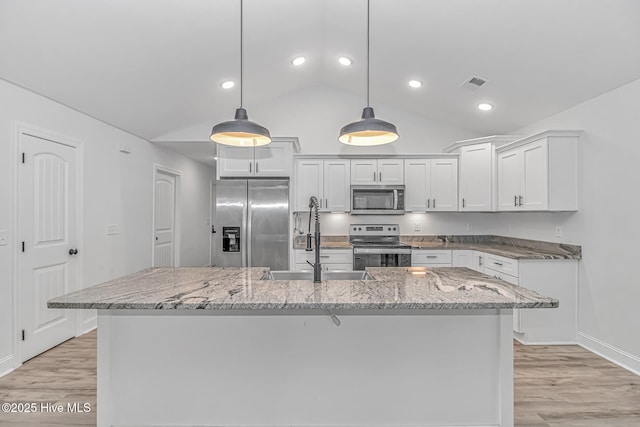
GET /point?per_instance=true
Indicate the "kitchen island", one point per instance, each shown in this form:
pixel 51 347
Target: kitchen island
pixel 222 347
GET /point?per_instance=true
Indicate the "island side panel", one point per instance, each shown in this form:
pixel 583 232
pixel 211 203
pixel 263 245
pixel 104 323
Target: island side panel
pixel 427 368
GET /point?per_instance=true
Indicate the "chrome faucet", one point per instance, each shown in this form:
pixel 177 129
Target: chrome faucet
pixel 317 267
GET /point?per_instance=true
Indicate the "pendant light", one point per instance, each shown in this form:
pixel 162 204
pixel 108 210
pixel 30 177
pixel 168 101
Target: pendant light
pixel 240 131
pixel 369 130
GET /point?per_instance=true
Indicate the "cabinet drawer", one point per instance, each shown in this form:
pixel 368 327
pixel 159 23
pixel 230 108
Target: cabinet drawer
pixel 327 256
pixel 421 257
pixel 502 276
pixel 501 264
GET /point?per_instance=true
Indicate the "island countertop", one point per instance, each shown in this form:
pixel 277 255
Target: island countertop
pixel 242 288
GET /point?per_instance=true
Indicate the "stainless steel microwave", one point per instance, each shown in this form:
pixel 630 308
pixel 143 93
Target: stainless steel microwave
pixel 377 199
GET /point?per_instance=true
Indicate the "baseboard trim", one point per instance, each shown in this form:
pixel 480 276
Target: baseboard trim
pixel 613 354
pixel 7 364
pixel 545 342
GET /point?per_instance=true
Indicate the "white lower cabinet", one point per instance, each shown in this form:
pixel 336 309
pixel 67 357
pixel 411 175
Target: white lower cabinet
pixel 468 258
pixel 554 278
pixel 431 258
pixel 331 259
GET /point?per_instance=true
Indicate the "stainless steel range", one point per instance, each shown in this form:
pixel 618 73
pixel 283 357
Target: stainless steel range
pixel 378 245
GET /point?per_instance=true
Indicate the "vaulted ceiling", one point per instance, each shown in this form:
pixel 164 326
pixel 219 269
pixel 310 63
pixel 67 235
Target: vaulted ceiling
pixel 151 67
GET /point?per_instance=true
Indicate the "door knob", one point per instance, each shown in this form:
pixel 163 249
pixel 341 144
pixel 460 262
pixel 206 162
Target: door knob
pixel 73 251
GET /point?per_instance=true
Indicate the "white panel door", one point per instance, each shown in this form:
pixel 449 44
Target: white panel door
pixel 509 180
pixel 164 220
pixel 476 178
pixel 308 181
pixel 364 171
pixel 47 229
pixel 535 187
pixel 391 171
pixel 444 184
pixel 337 185
pixel 417 173
pixel 235 161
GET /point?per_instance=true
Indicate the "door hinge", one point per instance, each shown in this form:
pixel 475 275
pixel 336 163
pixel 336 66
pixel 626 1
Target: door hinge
pixel 22 246
pixel 23 335
pixel 23 158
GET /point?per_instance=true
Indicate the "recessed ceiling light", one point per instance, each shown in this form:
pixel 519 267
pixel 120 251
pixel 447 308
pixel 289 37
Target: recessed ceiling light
pixel 344 61
pixel 415 83
pixel 299 60
pixel 227 84
pixel 485 107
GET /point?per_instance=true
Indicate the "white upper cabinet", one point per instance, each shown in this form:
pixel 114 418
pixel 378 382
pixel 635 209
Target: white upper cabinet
pixel 327 179
pixel 377 171
pixel 432 185
pixel 539 173
pixel 476 177
pixel 273 160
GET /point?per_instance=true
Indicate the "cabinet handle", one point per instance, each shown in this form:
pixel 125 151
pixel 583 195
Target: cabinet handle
pixel 326 203
pixel 325 256
pixel 428 203
pixel 320 204
pixel 380 176
pixel 519 200
pixel 479 261
pixel 374 176
pixel 249 166
pixel 432 256
pixel 463 202
pixel 498 263
pixel 256 167
pixel 515 201
pixel 434 203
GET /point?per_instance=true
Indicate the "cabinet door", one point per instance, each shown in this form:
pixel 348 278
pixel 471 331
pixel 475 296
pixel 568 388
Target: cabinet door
pixel 391 171
pixel 417 173
pixel 463 258
pixel 274 159
pixel 535 186
pixel 444 184
pixel 235 161
pixel 364 172
pixel 308 179
pixel 337 185
pixel 509 179
pixel 476 177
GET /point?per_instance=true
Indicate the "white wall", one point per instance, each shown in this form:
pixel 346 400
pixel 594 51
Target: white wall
pixel 118 189
pixel 609 175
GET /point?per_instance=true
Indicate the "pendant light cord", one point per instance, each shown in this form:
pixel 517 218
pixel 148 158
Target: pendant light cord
pixel 368 55
pixel 242 51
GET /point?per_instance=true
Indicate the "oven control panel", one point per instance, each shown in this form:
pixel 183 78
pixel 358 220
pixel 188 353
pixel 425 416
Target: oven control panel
pixel 374 230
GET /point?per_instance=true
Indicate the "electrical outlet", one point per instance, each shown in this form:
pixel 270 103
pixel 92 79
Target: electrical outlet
pixel 469 227
pixel 416 226
pixel 112 229
pixel 558 231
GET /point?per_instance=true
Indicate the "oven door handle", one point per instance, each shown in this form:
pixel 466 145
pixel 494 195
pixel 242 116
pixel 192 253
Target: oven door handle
pixel 379 251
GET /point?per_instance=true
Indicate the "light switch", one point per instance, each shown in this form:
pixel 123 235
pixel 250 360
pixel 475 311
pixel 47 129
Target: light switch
pixel 113 229
pixel 4 237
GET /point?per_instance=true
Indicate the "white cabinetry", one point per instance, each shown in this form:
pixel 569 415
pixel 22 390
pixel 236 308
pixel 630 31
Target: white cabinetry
pixel 431 185
pixel 273 160
pixel 326 179
pixel 377 171
pixel 539 173
pixel 554 278
pixel 331 259
pixel 469 258
pixel 431 257
pixel 477 172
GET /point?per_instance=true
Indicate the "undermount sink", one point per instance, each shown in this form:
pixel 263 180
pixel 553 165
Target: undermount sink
pixel 308 275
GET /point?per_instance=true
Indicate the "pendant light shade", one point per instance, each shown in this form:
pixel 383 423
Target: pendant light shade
pixel 369 130
pixel 240 132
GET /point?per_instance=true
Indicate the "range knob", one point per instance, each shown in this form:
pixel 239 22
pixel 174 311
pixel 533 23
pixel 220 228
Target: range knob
pixel 359 228
pixel 394 229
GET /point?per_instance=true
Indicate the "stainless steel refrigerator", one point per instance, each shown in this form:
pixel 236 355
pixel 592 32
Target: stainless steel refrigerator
pixel 252 223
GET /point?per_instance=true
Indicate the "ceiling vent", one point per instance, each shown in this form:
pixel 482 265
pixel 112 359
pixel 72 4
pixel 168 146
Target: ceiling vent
pixel 473 83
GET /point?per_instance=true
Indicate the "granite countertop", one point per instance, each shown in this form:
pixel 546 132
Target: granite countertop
pixel 241 288
pixel 507 247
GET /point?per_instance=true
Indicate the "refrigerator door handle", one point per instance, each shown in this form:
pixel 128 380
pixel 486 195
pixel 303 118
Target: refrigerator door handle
pixel 248 233
pixel 243 239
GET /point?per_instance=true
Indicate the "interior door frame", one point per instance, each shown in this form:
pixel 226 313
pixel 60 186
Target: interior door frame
pixel 177 213
pixel 20 129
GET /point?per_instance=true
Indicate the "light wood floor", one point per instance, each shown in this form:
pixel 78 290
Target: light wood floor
pixel 557 386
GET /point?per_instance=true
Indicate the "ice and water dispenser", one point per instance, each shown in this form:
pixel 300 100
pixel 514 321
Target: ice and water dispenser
pixel 230 239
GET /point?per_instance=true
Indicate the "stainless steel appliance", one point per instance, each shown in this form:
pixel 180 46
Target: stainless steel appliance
pixel 253 216
pixel 377 199
pixel 378 245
